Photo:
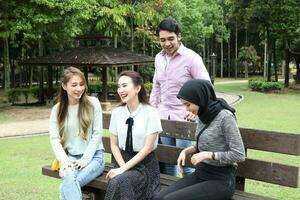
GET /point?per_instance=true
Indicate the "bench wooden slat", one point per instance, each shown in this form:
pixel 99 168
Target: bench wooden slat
pixel 176 130
pixel 170 128
pixel 166 180
pixel 269 172
pixel 271 141
pixel 253 139
pixel 240 195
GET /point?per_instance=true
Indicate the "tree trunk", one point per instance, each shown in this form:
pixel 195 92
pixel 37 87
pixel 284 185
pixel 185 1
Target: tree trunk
pixel 222 51
pixel 269 63
pixel 208 60
pixel 20 67
pixel 265 58
pixel 287 63
pixel 12 75
pixel 6 63
pixel 236 50
pixel 116 46
pixel 246 69
pixel 246 36
pixel 57 75
pixel 41 74
pixel 144 45
pixel 204 53
pixel 222 58
pixel 50 82
pixel 275 60
pixel 228 61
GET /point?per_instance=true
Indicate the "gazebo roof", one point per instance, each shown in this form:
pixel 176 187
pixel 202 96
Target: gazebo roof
pixel 93 56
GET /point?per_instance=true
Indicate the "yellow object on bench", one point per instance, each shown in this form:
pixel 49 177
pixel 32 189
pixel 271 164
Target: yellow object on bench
pixel 55 165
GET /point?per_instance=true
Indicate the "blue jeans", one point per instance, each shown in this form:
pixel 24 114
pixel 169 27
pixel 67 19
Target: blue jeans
pixel 70 187
pixel 172 169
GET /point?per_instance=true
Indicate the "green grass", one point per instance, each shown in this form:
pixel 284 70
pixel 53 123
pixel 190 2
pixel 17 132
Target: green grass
pixel 20 169
pixel 275 112
pixel 22 158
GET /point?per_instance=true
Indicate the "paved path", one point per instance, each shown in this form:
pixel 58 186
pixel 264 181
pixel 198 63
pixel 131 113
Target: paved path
pixel 34 127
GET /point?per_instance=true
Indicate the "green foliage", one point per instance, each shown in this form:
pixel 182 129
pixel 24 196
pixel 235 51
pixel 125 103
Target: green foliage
pixel 97 87
pixel 148 87
pixel 147 72
pixel 199 20
pixel 265 86
pixel 15 94
pixel 248 54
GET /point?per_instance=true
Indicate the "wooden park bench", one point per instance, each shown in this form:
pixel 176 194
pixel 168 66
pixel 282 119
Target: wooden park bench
pixel 261 170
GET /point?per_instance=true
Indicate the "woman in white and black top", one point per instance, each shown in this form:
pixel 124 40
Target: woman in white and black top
pixel 218 149
pixel 134 128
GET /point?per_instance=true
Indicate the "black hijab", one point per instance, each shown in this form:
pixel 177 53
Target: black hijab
pixel 201 93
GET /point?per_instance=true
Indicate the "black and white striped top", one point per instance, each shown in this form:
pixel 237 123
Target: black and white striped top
pixel 223 137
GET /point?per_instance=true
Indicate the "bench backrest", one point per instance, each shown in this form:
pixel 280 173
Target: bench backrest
pixel 261 170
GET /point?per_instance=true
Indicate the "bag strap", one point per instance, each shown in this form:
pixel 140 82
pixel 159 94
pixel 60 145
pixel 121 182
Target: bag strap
pixel 198 136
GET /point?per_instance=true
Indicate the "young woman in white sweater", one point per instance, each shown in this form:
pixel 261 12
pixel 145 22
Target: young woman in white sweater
pixel 76 134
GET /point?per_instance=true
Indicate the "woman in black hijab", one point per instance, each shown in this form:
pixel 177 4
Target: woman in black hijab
pixel 218 146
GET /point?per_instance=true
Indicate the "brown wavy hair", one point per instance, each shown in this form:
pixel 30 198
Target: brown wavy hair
pixel 85 107
pixel 137 80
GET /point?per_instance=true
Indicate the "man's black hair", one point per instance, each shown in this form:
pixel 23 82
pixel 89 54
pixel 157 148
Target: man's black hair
pixel 169 24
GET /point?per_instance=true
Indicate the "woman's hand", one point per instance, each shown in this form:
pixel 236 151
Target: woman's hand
pixel 190 117
pixel 114 172
pixel 65 168
pixel 181 160
pixel 199 157
pixel 79 164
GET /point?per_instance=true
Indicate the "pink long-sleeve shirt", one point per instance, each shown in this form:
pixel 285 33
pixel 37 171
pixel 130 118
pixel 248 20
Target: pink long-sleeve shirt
pixel 169 76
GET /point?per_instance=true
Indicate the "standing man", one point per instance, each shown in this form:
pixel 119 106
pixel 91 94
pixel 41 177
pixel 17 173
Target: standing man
pixel 174 65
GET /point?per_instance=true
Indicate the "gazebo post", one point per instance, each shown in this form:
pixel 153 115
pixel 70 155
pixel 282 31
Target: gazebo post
pixel 41 87
pixel 50 82
pixel 104 84
pixel 85 69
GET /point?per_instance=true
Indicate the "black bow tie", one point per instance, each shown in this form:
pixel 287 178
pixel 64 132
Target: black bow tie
pixel 129 146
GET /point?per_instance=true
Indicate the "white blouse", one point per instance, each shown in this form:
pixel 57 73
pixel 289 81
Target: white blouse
pixel 146 122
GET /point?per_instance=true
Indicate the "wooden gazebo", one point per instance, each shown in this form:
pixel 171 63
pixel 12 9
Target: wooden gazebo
pixel 103 57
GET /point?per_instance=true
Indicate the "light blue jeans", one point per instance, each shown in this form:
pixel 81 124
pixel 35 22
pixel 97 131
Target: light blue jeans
pixel 172 169
pixel 70 187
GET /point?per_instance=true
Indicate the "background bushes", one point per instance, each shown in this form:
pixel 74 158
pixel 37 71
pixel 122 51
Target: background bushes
pixel 265 86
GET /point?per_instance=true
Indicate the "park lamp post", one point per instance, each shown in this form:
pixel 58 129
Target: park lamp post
pixel 213 58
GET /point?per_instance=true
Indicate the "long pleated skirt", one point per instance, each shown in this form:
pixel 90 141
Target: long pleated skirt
pixel 141 182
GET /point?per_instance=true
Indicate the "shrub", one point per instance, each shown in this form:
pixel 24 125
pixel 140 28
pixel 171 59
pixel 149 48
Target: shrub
pixel 14 94
pixel 148 87
pixel 112 87
pixel 264 86
pixel 94 87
